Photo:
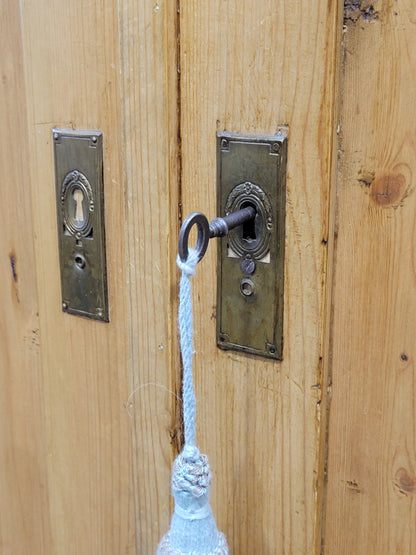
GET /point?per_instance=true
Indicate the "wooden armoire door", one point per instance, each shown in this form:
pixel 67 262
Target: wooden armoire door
pixel 314 452
pixel 84 455
pixel 250 67
pixel 370 495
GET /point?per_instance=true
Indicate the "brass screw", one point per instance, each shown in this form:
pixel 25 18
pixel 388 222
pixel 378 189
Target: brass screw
pixel 248 266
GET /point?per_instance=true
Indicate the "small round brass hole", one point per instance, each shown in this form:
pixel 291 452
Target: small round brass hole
pixel 247 287
pixel 79 261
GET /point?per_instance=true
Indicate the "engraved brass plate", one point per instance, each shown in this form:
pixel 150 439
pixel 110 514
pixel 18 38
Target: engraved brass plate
pixel 252 172
pixel 80 215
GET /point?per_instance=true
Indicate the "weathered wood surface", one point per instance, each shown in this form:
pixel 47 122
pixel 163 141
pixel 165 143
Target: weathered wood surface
pixel 370 501
pixel 24 505
pixel 149 104
pixel 249 67
pixel 71 67
pixel 84 463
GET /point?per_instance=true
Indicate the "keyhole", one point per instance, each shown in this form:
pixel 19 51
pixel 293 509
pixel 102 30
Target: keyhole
pixel 249 227
pixel 79 209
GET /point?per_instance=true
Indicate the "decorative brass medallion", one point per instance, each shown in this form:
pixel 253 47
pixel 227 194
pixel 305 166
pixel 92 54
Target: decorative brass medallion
pixel 256 243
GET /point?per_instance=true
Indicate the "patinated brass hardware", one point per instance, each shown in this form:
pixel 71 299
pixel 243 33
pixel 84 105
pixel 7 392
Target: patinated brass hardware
pixel 252 172
pixel 80 215
pixel 251 189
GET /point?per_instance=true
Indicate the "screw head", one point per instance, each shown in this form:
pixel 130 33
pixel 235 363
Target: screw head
pixel 64 305
pixel 224 143
pixel 275 147
pixel 248 266
pixel 94 139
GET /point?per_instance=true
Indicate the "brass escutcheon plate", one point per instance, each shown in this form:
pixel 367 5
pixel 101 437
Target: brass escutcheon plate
pixel 80 216
pixel 252 171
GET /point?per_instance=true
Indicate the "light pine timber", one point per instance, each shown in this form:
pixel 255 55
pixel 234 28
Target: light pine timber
pixel 25 525
pixel 71 59
pixel 104 66
pixel 100 444
pixel 371 506
pixel 249 67
pixel 149 106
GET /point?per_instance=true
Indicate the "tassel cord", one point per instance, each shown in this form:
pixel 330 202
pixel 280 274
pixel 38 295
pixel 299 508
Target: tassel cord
pixel 186 342
pixel 193 529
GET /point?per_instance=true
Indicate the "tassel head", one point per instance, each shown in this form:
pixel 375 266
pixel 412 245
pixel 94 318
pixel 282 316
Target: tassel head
pixel 193 529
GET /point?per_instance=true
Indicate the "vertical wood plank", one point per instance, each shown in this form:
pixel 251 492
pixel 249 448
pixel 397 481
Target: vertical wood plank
pixel 249 67
pixel 25 520
pixel 150 157
pixel 372 435
pixel 102 392
pixel 72 73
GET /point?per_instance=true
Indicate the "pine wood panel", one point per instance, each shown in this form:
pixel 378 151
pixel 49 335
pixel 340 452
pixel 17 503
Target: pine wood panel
pixel 23 448
pixel 71 59
pixel 110 419
pixel 249 67
pixel 148 38
pixel 89 423
pixel 372 434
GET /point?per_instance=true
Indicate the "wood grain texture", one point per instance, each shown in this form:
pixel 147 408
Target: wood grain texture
pixel 148 38
pixel 24 506
pixel 372 436
pixel 89 424
pixel 71 60
pixel 249 67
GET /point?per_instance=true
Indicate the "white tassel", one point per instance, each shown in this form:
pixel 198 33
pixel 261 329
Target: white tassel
pixel 193 530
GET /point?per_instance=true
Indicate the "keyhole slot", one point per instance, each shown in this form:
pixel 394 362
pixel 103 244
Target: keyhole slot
pixel 249 227
pixel 78 196
pixel 80 261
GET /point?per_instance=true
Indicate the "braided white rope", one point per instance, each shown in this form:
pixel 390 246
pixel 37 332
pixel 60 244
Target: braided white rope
pixel 193 529
pixel 186 340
